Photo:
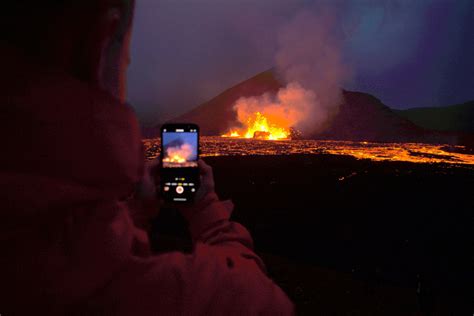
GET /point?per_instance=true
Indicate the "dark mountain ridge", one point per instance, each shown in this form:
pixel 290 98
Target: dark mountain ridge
pixel 452 118
pixel 361 116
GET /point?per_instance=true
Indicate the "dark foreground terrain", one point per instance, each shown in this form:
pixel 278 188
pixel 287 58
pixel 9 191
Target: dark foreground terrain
pixel 352 237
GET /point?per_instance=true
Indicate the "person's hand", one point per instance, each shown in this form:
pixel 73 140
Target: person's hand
pixel 147 187
pixel 207 181
pixel 145 205
pixel 204 196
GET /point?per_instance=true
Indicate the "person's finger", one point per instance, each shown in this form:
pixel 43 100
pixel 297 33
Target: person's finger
pixel 207 176
pixel 152 170
pixel 153 165
pixel 204 168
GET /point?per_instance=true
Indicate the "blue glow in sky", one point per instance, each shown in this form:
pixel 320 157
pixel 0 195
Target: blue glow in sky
pixel 408 53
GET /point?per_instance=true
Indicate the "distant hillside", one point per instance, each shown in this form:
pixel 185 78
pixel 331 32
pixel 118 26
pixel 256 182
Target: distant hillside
pixel 360 117
pixel 364 117
pixel 454 118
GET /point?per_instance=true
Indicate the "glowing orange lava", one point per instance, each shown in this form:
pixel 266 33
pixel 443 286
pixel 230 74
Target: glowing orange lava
pixel 259 126
pixel 232 134
pixel 408 152
pixel 175 159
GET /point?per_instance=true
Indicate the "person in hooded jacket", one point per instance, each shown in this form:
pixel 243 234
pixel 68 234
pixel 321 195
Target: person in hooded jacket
pixel 71 241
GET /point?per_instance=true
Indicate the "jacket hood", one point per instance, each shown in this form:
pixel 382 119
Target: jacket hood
pixel 63 141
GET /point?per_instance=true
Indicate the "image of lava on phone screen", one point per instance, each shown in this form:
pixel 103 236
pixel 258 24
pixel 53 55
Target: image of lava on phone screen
pixel 180 150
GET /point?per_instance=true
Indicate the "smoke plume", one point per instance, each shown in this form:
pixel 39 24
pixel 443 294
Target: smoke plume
pixel 309 62
pixel 287 108
pixel 181 153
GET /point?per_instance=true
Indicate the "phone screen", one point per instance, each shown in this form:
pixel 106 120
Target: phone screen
pixel 179 162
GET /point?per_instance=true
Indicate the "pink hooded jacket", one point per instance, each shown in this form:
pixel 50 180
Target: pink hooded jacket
pixel 70 154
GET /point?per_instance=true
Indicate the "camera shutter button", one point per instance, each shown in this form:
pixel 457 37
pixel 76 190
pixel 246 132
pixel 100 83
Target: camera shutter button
pixel 179 189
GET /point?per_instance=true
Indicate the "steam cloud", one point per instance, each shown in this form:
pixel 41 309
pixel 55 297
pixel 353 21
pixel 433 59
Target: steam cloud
pixel 287 108
pixel 309 61
pixel 184 151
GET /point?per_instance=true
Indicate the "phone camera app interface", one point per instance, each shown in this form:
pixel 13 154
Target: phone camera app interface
pixel 180 164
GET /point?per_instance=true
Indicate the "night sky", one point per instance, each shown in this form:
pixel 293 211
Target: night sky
pixel 408 53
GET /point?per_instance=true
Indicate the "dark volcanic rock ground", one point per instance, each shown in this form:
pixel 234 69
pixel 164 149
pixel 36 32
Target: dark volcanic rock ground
pixel 352 237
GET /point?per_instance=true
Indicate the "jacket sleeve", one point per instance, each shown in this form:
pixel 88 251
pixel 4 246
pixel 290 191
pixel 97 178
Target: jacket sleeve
pixel 222 276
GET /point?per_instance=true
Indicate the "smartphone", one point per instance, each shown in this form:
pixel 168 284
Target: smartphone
pixel 179 178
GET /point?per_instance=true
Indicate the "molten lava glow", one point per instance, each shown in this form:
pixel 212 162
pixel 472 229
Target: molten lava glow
pixel 259 123
pixel 258 126
pixel 232 134
pixel 409 152
pixel 175 158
